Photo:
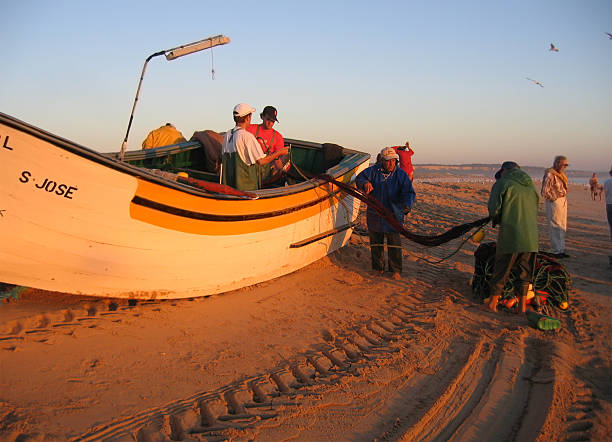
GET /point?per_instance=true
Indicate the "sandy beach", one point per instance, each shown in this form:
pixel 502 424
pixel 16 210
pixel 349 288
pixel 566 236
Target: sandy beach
pixel 330 352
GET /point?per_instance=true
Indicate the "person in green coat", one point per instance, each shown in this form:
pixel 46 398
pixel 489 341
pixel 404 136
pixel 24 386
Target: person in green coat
pixel 513 205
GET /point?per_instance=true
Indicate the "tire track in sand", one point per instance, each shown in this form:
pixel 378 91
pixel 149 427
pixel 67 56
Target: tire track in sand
pixel 304 383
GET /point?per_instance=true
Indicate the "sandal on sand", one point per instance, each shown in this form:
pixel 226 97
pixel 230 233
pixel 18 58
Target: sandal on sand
pixel 542 322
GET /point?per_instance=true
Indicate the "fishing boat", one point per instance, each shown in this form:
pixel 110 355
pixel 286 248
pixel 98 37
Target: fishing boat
pixel 78 221
pixel 156 223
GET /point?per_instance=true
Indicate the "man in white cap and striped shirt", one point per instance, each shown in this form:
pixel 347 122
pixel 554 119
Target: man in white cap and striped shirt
pixel 242 154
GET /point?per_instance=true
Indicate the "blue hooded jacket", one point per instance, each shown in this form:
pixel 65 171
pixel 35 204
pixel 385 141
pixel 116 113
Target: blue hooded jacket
pixel 395 193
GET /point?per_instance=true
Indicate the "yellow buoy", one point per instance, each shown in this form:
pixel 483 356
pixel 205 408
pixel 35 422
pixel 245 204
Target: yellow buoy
pixel 478 236
pixel 183 174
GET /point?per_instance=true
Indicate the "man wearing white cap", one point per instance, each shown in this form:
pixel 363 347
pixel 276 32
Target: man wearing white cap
pixel 242 154
pixel 390 186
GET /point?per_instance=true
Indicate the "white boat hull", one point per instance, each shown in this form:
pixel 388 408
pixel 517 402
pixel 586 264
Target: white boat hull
pixel 71 224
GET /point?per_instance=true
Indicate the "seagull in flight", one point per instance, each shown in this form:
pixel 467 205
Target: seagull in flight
pixel 553 48
pixel 535 81
pixel 609 35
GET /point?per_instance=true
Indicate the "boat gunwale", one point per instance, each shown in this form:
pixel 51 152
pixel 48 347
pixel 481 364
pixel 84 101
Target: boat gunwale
pixel 352 159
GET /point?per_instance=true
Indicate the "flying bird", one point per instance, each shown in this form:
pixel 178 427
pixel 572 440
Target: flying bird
pixel 609 35
pixel 553 48
pixel 535 81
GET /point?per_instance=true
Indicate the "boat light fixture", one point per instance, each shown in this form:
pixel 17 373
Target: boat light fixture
pixel 190 48
pixel 171 54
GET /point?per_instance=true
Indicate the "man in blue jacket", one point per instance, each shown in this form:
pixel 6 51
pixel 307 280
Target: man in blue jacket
pixel 391 187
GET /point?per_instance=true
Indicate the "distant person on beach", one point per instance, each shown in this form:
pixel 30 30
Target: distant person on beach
pixel 513 205
pixel 405 159
pixel 242 154
pixel 554 190
pixel 608 190
pixel 270 140
pixel 163 136
pixel 595 187
pixel 390 186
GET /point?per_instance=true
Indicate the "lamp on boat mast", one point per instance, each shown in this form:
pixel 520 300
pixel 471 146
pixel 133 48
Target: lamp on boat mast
pixel 171 54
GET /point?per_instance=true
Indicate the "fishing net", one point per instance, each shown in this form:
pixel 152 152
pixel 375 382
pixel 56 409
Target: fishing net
pixel 8 291
pixel 551 282
pixel 430 241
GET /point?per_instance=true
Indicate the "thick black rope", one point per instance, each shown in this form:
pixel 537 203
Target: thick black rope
pixel 425 240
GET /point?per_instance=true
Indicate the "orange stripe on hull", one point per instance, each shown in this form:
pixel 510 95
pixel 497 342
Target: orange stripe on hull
pixel 175 210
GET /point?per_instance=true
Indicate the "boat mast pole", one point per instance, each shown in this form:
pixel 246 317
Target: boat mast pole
pixel 171 54
pixel 127 132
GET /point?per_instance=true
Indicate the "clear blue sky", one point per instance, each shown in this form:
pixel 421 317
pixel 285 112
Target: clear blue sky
pixel 447 75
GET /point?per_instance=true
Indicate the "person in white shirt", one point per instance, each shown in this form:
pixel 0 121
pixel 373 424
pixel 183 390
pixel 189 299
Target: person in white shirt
pixel 241 154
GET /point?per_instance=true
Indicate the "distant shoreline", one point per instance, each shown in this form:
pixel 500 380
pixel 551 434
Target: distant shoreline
pixel 486 172
pixel 482 179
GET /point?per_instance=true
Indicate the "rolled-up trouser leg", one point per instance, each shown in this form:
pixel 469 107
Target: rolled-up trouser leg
pixel 524 265
pixel 394 250
pixel 377 248
pixel 501 271
pixel 609 215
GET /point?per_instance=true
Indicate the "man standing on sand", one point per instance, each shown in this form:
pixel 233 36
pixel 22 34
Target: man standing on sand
pixel 513 204
pixel 608 190
pixel 242 154
pixel 554 190
pixel 390 186
pixel 405 159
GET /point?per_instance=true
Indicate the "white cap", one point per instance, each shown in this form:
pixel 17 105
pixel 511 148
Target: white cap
pixel 388 153
pixel 242 109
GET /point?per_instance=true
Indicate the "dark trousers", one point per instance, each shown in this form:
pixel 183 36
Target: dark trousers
pixel 523 263
pixel 609 215
pixel 394 250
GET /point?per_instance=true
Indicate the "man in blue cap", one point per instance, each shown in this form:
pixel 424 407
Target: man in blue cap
pixel 513 205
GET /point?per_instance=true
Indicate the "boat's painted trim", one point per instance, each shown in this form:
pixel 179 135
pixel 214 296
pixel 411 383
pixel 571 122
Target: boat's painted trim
pixel 320 236
pixel 352 159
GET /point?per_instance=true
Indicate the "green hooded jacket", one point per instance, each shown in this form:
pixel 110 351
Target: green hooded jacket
pixel 513 204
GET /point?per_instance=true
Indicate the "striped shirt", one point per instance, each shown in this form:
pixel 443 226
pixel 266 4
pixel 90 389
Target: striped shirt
pixel 554 185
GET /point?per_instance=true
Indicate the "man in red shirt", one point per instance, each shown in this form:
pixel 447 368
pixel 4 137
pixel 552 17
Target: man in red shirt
pixel 270 140
pixel 405 158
